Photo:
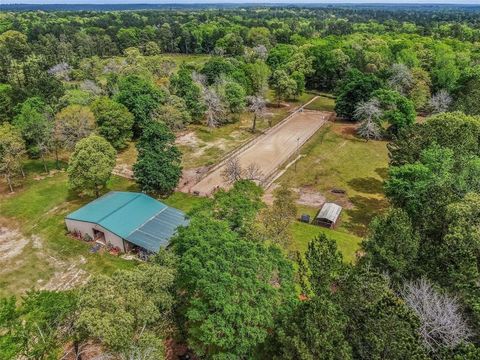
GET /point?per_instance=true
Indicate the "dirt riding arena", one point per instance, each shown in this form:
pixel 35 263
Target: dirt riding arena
pixel 268 151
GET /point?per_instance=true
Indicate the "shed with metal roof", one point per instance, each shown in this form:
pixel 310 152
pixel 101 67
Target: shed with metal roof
pixel 328 215
pixel 126 220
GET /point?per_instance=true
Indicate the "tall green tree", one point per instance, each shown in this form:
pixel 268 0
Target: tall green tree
pixel 158 167
pixel 355 88
pixel 325 263
pixel 12 152
pixel 174 113
pixel 467 93
pixel 36 126
pixel 239 206
pixel 6 102
pixel 276 220
pixel 443 130
pixel 380 325
pixel 183 86
pixel 233 288
pixel 35 328
pixel 283 85
pixel 72 124
pixel 114 121
pixel 129 313
pixel 392 245
pixel 91 164
pixel 141 97
pixel 398 111
pixel 315 330
pixel 235 97
pixel 257 74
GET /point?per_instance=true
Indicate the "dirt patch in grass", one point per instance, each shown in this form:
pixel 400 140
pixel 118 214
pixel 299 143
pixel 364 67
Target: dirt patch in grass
pixel 67 275
pixel 310 197
pixel 306 196
pixel 16 250
pixel 12 244
pixel 50 174
pixel 346 129
pixel 188 139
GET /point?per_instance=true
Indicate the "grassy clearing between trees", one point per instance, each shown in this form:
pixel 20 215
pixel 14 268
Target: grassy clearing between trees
pixel 322 103
pixel 336 159
pixel 333 158
pixel 37 209
pixel 347 244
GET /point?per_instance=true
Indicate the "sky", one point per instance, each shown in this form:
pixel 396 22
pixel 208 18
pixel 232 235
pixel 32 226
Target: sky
pixel 238 1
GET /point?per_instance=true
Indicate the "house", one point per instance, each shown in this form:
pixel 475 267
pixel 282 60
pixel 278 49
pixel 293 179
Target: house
pixel 127 220
pixel 328 215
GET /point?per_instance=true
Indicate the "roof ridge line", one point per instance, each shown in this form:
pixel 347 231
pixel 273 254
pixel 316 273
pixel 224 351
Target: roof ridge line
pixel 150 218
pixel 118 208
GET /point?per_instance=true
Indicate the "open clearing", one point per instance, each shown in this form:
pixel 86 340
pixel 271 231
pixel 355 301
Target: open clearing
pixel 335 158
pixel 270 150
pixel 35 249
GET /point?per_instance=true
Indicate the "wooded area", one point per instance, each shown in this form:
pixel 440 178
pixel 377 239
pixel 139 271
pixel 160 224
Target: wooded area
pixel 78 89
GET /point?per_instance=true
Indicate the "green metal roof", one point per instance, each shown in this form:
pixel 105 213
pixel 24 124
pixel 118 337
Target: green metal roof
pixel 135 217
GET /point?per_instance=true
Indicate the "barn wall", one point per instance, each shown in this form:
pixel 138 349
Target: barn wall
pixel 80 226
pixel 87 228
pixel 113 239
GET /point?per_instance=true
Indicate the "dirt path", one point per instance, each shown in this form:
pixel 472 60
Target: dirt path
pixel 269 151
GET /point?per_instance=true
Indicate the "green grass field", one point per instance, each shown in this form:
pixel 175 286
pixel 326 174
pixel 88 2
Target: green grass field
pixel 38 208
pixel 336 158
pixel 323 103
pixel 347 244
pixel 333 158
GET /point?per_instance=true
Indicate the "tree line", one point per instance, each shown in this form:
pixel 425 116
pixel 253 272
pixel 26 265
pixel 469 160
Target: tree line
pixel 229 286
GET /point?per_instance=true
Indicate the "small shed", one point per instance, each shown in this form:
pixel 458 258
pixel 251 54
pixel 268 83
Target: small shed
pixel 127 220
pixel 328 215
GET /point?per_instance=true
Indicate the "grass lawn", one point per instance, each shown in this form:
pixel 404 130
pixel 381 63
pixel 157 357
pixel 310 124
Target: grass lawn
pixel 38 208
pixel 323 103
pixel 127 156
pixel 347 244
pixel 336 158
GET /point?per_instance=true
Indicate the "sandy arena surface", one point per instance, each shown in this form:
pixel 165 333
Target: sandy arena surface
pixel 270 150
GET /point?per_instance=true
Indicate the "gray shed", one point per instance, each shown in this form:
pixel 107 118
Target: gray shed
pixel 328 215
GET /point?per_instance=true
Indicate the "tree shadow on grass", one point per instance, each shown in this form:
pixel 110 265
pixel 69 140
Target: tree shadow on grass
pixel 382 172
pixel 367 185
pixel 363 211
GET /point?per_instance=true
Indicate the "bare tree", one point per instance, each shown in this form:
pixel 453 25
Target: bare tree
pixel 253 172
pixel 61 71
pixel 261 52
pixel 401 78
pixel 72 124
pixel 91 87
pixel 440 102
pixel 233 170
pixel 441 319
pixel 257 106
pixel 369 113
pixel 215 110
pixel 369 130
pixel 199 78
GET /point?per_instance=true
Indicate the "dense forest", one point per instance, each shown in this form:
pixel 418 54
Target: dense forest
pixel 77 87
